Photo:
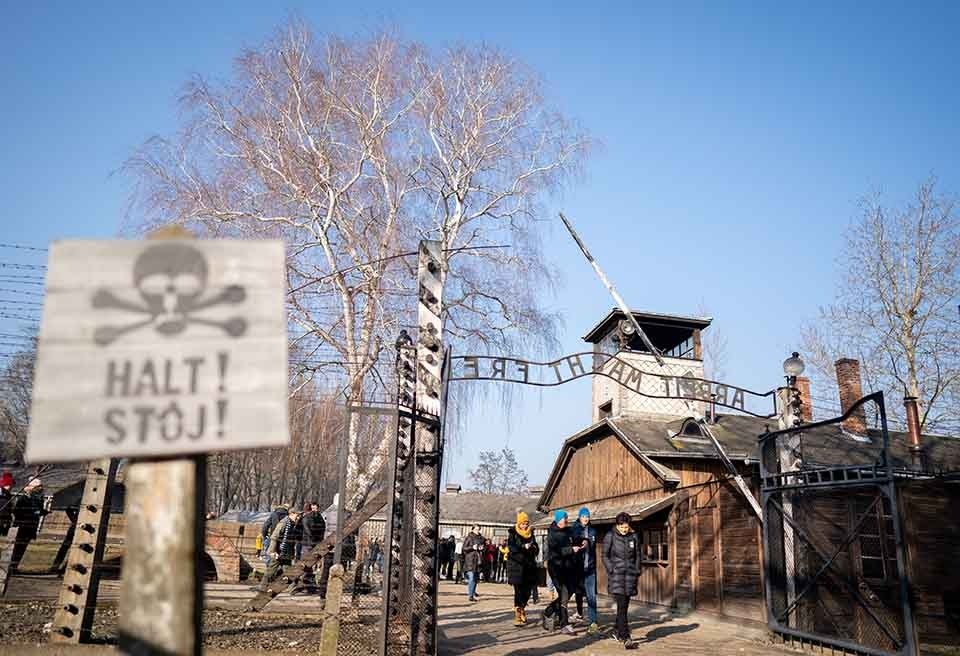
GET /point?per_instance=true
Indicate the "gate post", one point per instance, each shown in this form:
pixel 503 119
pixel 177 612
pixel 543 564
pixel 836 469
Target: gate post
pixel 410 595
pixel 428 449
pixel 395 627
pixel 788 457
pixel 788 450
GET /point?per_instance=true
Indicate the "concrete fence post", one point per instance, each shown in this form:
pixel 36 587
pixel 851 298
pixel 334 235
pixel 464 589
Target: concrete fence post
pixel 330 634
pixel 6 556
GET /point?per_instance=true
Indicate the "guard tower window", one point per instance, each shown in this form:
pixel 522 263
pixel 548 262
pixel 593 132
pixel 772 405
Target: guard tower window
pixel 606 409
pixel 673 336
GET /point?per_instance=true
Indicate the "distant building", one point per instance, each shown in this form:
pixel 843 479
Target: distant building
pixel 494 513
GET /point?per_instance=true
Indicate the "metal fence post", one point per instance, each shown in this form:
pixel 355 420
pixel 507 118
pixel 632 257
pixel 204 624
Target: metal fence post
pixel 395 627
pixel 427 449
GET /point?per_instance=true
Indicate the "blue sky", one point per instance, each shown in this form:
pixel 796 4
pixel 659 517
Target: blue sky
pixel 737 139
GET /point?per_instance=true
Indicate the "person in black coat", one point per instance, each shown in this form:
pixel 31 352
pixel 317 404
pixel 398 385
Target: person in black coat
pixel 313 529
pixel 563 567
pixel 621 558
pixel 473 548
pixel 445 555
pixel 28 510
pixel 521 565
pixel 313 526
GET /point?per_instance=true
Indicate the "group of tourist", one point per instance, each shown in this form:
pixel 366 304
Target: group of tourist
pixel 22 511
pixel 288 534
pixel 490 561
pixel 571 558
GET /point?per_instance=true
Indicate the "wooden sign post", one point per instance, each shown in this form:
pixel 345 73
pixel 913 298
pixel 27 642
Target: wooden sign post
pixel 155 350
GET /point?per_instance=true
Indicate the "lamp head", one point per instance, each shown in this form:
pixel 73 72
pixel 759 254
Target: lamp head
pixel 793 366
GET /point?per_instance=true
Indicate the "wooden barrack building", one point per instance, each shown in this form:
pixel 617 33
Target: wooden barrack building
pixel 701 539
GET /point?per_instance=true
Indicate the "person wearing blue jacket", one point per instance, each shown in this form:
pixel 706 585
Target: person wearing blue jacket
pixel 585 535
pixel 562 557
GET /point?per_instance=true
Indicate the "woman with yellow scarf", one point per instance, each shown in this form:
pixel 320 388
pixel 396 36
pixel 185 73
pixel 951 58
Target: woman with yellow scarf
pixel 521 566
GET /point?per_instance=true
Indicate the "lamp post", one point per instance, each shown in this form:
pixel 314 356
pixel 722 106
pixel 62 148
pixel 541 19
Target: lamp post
pixel 792 368
pixel 789 455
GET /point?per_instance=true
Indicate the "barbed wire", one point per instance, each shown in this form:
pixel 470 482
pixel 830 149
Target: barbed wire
pixel 26 267
pixel 23 247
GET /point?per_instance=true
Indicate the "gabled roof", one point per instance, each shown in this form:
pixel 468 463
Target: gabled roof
pixel 480 508
pixel 606 324
pixel 654 440
pixel 603 427
pixel 826 445
pixel 606 511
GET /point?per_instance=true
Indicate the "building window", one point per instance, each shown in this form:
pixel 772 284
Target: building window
pixel 654 548
pixel 606 409
pixel 683 350
pixel 692 429
pixel 878 547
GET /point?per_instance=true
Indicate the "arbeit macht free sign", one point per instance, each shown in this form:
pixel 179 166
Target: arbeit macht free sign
pixel 166 347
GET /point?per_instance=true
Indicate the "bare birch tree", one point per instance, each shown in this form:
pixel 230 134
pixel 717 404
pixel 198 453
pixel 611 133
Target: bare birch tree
pixel 896 305
pixel 16 389
pixel 714 345
pixel 352 151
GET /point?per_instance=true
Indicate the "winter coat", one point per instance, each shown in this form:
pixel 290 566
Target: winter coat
pixel 6 511
pixel 314 528
pixel 588 556
pixel 472 556
pixel 445 551
pixel 562 561
pixel 275 517
pixel 284 537
pixel 621 558
pixel 521 561
pixel 27 511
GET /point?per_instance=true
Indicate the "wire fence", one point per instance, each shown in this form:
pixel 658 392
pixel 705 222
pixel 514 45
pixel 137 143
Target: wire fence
pixel 233 567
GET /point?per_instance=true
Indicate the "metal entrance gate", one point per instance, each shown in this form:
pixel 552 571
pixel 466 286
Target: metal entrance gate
pixel 833 546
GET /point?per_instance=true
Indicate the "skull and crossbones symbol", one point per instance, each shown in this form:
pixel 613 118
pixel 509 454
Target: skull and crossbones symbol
pixel 172 280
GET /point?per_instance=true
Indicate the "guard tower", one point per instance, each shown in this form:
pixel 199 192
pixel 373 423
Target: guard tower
pixel 678 340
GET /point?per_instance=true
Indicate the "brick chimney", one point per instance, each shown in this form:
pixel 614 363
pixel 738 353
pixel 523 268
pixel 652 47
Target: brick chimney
pixel 913 431
pixel 806 407
pixel 851 391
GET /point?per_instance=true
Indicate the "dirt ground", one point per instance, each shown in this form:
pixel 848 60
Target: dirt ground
pixel 29 624
pixel 483 629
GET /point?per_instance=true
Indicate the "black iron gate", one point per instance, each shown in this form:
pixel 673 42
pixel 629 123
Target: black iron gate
pixel 833 544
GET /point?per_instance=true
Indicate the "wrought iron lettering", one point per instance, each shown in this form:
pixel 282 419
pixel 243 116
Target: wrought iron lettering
pixel 650 384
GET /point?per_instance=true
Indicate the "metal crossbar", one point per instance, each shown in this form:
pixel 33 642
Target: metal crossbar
pixel 843 545
pixel 780 490
pixel 852 590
